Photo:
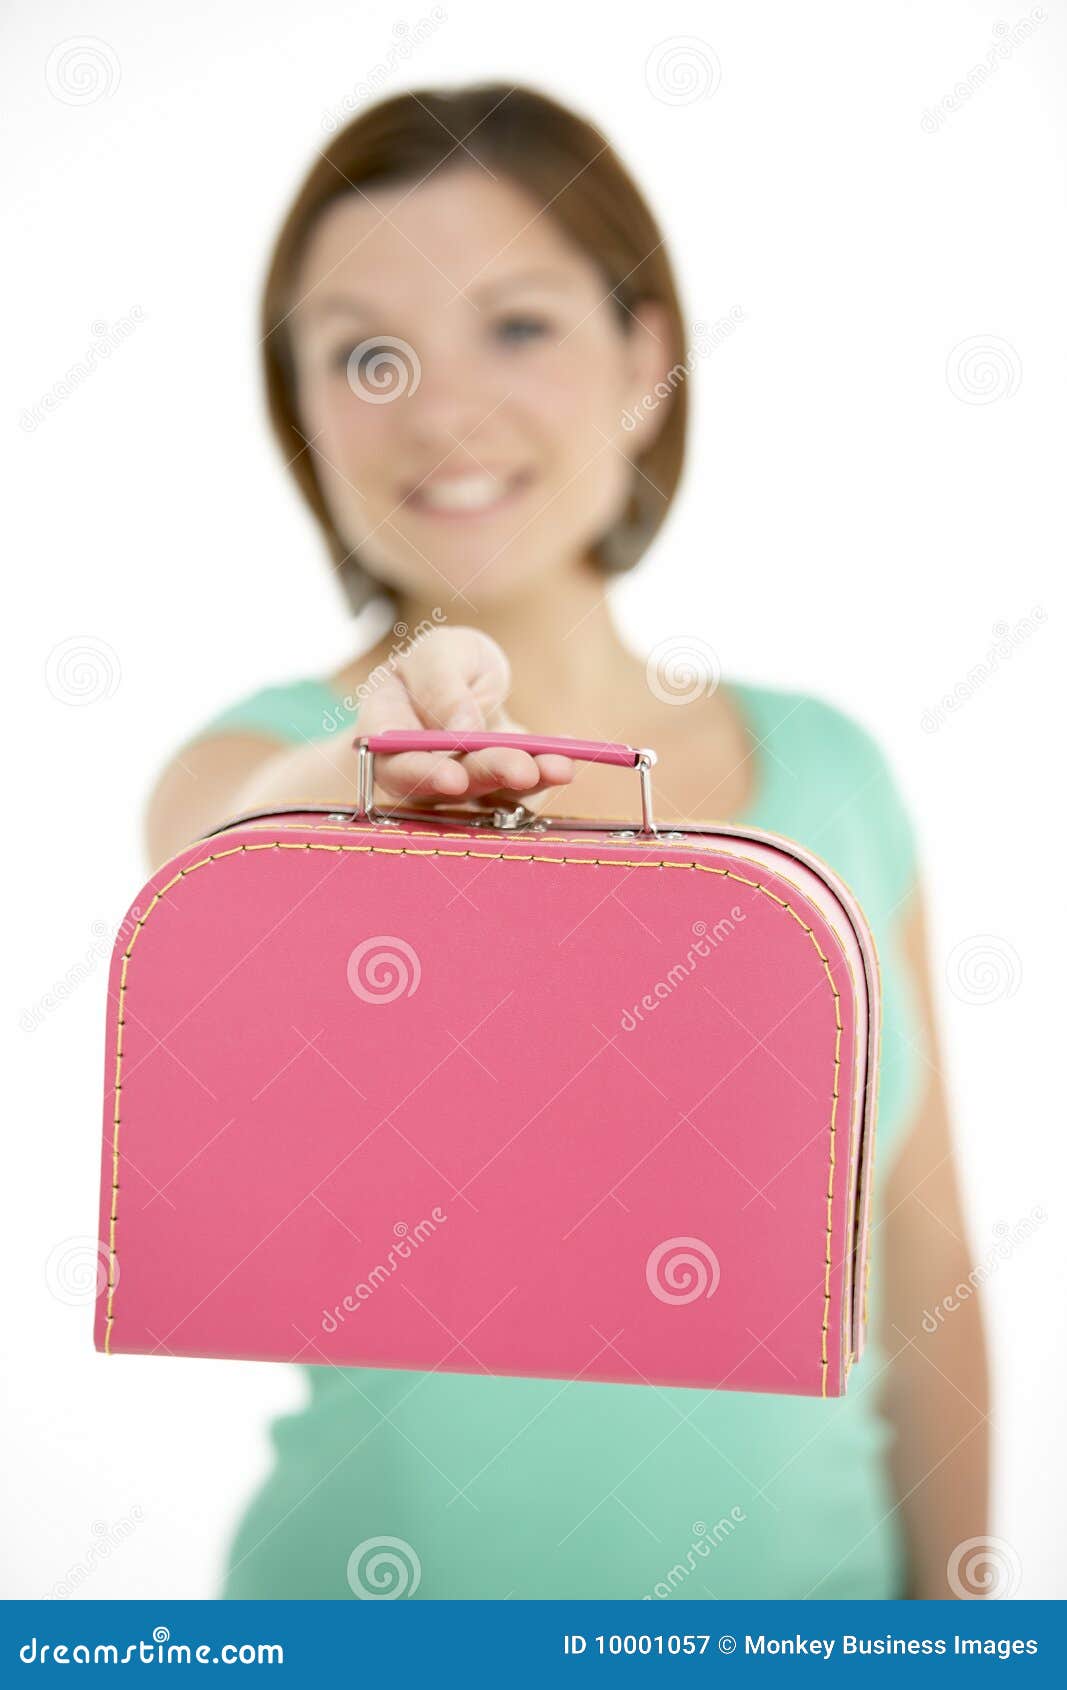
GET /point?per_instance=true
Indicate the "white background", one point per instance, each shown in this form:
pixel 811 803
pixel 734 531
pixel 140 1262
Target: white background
pixel 854 523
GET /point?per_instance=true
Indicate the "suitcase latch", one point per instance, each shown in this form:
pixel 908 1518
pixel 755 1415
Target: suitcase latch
pixel 513 816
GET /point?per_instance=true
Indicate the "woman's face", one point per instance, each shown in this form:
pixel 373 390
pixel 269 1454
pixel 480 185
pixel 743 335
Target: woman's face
pixel 462 380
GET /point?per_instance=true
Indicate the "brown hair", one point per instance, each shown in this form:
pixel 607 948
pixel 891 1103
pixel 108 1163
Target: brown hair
pixel 567 166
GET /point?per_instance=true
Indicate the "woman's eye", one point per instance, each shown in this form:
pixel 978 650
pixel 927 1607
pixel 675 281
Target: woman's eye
pixel 517 330
pixel 341 357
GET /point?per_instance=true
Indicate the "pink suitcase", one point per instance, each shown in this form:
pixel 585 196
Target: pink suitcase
pixel 493 1093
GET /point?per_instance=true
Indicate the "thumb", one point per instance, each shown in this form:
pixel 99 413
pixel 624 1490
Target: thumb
pixel 456 678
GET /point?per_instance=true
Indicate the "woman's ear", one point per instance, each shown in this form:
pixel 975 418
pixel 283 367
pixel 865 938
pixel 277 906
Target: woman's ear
pixel 655 367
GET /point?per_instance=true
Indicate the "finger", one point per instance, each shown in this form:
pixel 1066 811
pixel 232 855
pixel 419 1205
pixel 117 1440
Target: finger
pixel 456 678
pixel 509 772
pixel 502 772
pixel 419 774
pixel 404 774
pixel 553 769
pixel 387 705
pixel 500 768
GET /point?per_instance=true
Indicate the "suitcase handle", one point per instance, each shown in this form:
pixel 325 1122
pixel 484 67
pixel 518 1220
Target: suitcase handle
pixel 394 740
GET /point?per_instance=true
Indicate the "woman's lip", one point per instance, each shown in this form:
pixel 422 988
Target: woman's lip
pixel 513 486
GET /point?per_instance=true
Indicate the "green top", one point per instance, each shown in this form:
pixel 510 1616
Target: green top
pixel 499 1487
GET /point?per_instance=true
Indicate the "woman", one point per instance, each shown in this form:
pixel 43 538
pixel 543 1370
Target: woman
pixel 473 349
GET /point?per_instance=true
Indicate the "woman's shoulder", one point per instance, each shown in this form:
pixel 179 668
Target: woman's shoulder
pixel 810 725
pixel 830 783
pixel 292 711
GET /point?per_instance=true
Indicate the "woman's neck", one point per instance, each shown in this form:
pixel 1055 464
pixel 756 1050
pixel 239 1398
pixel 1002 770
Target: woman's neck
pixel 572 674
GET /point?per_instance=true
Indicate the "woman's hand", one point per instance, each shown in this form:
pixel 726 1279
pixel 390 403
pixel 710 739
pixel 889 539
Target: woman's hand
pixel 452 678
pixel 458 679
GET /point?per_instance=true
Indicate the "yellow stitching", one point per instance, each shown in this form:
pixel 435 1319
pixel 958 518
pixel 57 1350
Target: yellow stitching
pixel 439 833
pixel 870 1153
pixel 692 841
pixel 498 856
pixel 856 1115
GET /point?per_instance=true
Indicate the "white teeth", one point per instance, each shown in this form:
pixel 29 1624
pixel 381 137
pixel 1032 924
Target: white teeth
pixel 461 493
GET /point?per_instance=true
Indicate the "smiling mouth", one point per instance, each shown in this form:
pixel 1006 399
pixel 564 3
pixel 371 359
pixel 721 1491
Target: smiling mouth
pixel 478 494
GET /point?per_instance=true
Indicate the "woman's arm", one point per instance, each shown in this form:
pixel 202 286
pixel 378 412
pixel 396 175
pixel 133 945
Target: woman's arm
pixel 226 774
pixel 455 677
pixel 937 1394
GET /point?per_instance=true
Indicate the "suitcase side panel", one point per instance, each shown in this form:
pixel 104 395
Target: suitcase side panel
pixel 184 999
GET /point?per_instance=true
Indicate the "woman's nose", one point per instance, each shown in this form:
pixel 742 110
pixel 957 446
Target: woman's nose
pixel 449 395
